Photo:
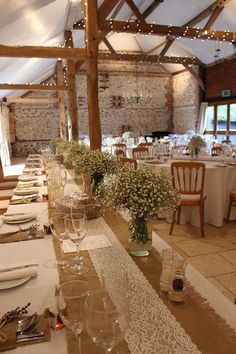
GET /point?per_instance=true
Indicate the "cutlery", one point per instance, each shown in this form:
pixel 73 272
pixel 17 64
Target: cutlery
pixel 23 325
pixel 20 338
pixel 8 269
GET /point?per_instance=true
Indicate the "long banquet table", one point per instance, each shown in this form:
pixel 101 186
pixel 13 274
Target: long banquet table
pixel 219 182
pixel 155 325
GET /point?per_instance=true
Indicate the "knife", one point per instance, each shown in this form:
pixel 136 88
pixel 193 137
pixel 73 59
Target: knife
pixel 8 269
pixel 29 337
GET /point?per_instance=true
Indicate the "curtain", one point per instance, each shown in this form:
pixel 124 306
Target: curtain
pixel 4 136
pixel 202 118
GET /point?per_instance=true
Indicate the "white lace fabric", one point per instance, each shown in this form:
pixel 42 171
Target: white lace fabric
pixel 152 327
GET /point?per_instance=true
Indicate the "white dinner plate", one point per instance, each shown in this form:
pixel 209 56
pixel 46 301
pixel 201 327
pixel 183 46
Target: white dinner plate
pixel 22 193
pixel 27 178
pixel 8 284
pixel 18 221
pixel 221 165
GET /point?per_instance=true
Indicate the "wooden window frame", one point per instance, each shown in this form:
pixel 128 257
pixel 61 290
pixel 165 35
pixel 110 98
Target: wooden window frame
pixel 216 132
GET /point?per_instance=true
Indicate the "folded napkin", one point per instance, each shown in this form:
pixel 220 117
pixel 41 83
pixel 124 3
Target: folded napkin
pixel 89 243
pixel 18 217
pixel 26 191
pixel 18 274
pixel 24 178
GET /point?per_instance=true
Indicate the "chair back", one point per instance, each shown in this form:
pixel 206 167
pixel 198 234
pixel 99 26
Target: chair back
pixel 145 144
pixel 140 152
pixel 119 153
pixel 119 146
pixel 188 177
pixel 128 163
pixel 216 150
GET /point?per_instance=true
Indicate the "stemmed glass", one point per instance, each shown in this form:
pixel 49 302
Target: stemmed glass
pixel 76 229
pixel 106 317
pixel 70 304
pixel 57 226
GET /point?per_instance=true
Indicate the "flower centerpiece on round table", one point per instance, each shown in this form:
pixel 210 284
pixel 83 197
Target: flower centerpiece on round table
pixel 143 193
pixel 195 145
pixel 96 164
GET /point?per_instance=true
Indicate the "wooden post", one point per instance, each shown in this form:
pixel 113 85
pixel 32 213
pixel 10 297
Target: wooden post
pixel 61 102
pixel 72 92
pixel 92 74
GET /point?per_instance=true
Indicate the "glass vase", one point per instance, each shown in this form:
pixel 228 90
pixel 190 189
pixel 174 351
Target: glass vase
pixel 97 179
pixel 140 241
pixel 86 184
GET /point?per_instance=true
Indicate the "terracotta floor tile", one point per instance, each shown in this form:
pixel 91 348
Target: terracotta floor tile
pixel 228 281
pixel 230 256
pixel 211 265
pixel 198 247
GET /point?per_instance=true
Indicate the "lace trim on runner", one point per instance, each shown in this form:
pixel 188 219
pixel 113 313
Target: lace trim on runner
pixel 153 329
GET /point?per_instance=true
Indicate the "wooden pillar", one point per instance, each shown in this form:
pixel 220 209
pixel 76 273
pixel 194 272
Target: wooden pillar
pixel 12 118
pixel 72 92
pixel 61 102
pixel 91 29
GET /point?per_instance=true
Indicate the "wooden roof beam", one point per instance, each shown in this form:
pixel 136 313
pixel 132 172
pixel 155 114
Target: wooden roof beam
pixel 135 10
pixel 42 52
pixel 106 8
pixel 148 58
pixel 195 76
pixel 30 101
pixel 152 7
pixel 109 46
pixel 164 30
pixel 33 87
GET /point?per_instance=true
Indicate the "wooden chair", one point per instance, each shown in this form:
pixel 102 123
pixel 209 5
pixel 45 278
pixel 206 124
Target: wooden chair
pixel 129 163
pixel 216 150
pixel 140 152
pixel 119 146
pixel 145 144
pixel 232 202
pixel 188 179
pixel 119 153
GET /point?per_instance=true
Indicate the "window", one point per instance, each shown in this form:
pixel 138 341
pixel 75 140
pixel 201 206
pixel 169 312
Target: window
pixel 221 121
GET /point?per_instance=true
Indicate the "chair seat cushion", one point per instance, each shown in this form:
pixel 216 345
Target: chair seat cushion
pixel 190 197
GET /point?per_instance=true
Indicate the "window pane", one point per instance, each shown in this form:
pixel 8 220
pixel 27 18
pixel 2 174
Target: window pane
pixel 222 117
pixel 210 118
pixel 233 116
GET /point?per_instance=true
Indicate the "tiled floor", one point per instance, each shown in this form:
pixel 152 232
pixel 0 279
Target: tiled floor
pixel 213 256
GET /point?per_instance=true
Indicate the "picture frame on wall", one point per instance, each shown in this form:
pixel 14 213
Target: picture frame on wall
pixel 226 93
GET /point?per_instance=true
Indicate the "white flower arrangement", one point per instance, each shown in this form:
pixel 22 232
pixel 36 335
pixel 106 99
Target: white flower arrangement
pixel 95 163
pixel 196 142
pixel 142 192
pixel 73 151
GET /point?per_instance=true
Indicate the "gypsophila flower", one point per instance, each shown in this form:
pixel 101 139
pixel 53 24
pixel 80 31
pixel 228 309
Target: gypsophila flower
pixel 196 142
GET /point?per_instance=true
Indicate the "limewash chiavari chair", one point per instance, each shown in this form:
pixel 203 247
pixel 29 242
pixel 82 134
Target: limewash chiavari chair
pixel 119 146
pixel 188 179
pixel 119 153
pixel 128 163
pixel 7 182
pixel 140 152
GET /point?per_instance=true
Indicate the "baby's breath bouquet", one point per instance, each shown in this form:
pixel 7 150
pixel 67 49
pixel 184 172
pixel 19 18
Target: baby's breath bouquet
pixel 196 142
pixel 143 193
pixel 96 164
pixel 73 151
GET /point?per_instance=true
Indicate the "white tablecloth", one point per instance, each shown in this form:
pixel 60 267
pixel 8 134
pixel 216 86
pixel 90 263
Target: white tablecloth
pixel 219 182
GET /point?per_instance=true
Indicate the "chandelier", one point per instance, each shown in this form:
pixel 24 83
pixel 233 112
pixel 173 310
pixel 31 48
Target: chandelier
pixel 137 95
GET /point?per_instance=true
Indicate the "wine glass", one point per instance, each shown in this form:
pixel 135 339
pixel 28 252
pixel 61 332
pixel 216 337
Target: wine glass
pixel 106 317
pixel 70 304
pixel 57 226
pixel 76 229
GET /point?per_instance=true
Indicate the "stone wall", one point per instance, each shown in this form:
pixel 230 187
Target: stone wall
pixel 35 125
pixel 185 102
pixel 144 116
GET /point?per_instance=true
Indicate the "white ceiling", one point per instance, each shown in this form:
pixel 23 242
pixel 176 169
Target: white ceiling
pixel 42 22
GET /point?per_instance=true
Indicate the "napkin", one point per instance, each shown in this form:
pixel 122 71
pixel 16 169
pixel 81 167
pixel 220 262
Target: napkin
pixel 24 178
pixel 18 273
pixel 89 243
pixel 22 191
pixel 18 217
